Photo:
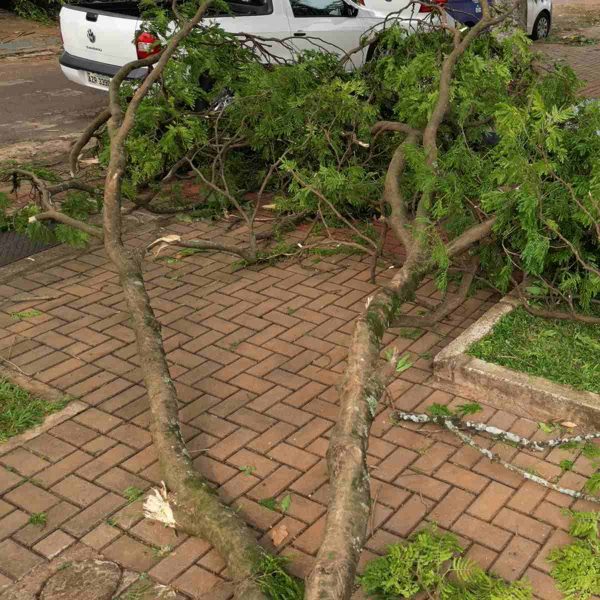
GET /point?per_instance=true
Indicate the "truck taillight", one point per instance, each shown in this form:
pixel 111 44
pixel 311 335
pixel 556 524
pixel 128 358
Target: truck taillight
pixel 146 45
pixel 427 9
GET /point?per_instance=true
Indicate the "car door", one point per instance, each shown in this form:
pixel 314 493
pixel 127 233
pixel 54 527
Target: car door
pixel 259 18
pixel 330 25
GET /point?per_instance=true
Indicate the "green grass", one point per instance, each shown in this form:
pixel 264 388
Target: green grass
pixel 20 411
pixel 132 493
pixel 26 314
pixel 39 519
pixel 562 351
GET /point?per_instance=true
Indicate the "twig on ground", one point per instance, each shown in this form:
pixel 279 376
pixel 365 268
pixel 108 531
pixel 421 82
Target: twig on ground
pixel 454 427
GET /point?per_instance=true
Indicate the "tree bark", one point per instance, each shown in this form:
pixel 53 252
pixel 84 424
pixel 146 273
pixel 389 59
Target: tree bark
pixel 332 577
pixel 195 505
pixel 194 502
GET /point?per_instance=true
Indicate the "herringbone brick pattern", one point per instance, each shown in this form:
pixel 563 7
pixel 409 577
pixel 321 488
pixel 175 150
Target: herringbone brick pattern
pixel 256 355
pixel 585 60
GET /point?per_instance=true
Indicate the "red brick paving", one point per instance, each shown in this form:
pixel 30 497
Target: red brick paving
pixel 256 357
pixel 585 60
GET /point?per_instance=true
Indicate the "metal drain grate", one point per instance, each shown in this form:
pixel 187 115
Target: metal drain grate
pixel 15 246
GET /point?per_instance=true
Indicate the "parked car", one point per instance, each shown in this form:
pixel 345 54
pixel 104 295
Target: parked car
pixel 468 12
pixel 99 37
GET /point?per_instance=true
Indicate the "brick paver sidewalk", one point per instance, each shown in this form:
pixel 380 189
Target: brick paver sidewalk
pixel 256 356
pixel 585 61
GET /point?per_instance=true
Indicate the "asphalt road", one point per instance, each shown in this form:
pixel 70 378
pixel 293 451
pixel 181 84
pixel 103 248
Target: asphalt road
pixel 38 103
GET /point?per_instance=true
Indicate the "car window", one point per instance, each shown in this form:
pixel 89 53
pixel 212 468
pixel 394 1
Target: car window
pixel 243 8
pixel 320 8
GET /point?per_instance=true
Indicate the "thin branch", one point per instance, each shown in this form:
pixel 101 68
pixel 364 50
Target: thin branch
pixel 502 435
pixel 323 198
pixel 561 315
pixel 39 184
pixel 87 134
pixel 49 212
pixel 73 184
pixel 218 190
pixel 471 236
pixel 587 266
pixel 59 217
pixel 382 126
pixel 175 240
pixel 454 428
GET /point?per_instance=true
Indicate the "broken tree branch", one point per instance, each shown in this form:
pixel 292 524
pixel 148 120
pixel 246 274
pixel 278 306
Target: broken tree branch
pixel 346 525
pixel 49 211
pixel 502 435
pixel 454 428
pixel 195 506
pixel 86 135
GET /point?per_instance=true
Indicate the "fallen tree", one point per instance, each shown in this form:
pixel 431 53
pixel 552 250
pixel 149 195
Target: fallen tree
pixel 481 163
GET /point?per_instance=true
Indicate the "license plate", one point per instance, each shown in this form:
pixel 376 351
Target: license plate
pixel 98 79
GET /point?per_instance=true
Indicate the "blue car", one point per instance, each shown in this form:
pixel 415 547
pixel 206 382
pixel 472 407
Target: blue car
pixel 468 12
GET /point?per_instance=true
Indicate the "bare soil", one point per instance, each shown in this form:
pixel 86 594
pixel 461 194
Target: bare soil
pixel 13 28
pixel 576 18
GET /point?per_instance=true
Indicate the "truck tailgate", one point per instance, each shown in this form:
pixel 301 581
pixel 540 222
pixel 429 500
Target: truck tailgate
pixel 98 35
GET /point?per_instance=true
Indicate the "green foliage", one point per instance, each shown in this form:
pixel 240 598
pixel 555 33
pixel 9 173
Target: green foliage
pixel 75 204
pixel 248 469
pixel 404 363
pixel 529 344
pixel 462 410
pixel 566 465
pixel 5 220
pixel 26 314
pixel 592 485
pixel 275 582
pixel 38 10
pixel 313 112
pixel 20 411
pixel 432 562
pixel 38 519
pixel 576 567
pixel 514 143
pixel 132 493
pixel 273 504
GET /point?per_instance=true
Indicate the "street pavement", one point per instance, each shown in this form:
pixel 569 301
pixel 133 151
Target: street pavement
pixel 39 103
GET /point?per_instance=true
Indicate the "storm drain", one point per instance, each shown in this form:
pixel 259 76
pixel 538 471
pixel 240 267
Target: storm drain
pixel 16 246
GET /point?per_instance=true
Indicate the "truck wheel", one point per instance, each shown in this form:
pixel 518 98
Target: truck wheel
pixel 541 27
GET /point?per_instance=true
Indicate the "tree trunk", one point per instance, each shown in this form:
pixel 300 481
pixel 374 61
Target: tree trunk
pixel 332 577
pixel 194 502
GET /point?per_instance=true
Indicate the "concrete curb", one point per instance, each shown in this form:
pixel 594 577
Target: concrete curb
pixel 519 393
pixel 36 46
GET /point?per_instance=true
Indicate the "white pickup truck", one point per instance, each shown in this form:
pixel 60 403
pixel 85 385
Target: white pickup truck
pixel 101 36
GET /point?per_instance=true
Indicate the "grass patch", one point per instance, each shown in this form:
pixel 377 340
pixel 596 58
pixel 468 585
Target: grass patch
pixel 275 582
pixel 38 519
pixel 26 314
pixel 19 410
pixel 562 351
pixel 132 493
